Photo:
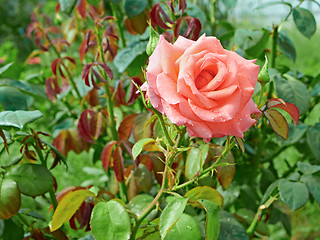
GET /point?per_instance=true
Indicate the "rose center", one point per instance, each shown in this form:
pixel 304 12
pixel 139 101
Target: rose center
pixel 204 78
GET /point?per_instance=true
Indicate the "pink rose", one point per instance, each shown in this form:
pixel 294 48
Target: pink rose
pixel 202 86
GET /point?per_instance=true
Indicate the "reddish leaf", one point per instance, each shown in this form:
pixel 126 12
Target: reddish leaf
pixel 240 144
pixel 60 142
pixel 170 177
pixel 70 59
pixel 76 142
pixel 82 51
pixel 97 123
pixel 92 97
pixel 54 66
pixel 158 165
pixel 177 27
pixel 82 8
pixel 106 154
pixel 84 125
pixel 146 160
pixel 182 5
pixel 52 88
pixel 277 122
pixel 143 178
pixel 133 92
pixel 156 18
pixel 118 165
pixel 10 198
pixel 291 109
pixel 125 128
pixel 141 129
pixel 274 101
pixel 165 16
pixel 106 69
pixel 97 75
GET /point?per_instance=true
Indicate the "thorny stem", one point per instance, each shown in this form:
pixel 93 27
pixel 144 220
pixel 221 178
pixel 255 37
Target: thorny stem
pixel 261 210
pixel 120 30
pixel 65 68
pixel 207 170
pixel 163 127
pixel 275 34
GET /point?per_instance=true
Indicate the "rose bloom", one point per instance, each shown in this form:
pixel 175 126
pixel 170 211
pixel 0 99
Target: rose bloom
pixel 202 86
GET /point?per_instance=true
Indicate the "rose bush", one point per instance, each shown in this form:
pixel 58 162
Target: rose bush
pixel 201 85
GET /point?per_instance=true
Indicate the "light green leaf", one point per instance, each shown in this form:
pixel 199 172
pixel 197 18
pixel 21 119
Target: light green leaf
pixel 138 146
pixel 109 220
pixel 10 198
pixel 171 215
pixel 212 220
pixel 18 119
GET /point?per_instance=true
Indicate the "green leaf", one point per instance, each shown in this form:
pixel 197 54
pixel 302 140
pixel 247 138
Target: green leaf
pixel 12 99
pixel 186 228
pixel 12 230
pixel 230 4
pixel 67 207
pixel 143 178
pixel 94 2
pixel 307 168
pixel 230 228
pixel 269 191
pixel 18 119
pixel 67 6
pixel 153 41
pixel 127 55
pixel 32 179
pixel 110 221
pixel 286 46
pixel 195 160
pixel 294 194
pixel 212 220
pixel 313 184
pixel 138 146
pixel 10 198
pixel 171 215
pixel 139 203
pixel 5 67
pixel 24 86
pixel 293 91
pixel 135 7
pixel 304 21
pixel 313 139
pixel 204 192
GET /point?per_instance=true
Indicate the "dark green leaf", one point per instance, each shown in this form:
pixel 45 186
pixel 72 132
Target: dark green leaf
pixel 269 191
pixel 67 6
pixel 143 178
pixel 10 198
pixel 230 228
pixel 32 179
pixel 18 119
pixel 24 86
pixel 316 91
pixel 293 91
pixel 313 184
pixel 109 220
pixel 307 168
pixel 127 55
pixel 294 194
pixel 171 215
pixel 12 99
pixel 186 228
pixel 304 21
pixel 313 138
pixel 212 220
pixel 135 7
pixel 94 2
pixel 286 46
pixel 12 230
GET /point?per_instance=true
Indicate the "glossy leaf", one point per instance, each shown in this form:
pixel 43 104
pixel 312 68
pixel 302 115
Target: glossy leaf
pixel 32 179
pixel 294 194
pixel 195 160
pixel 139 203
pixel 143 178
pixel 10 198
pixel 206 193
pixel 304 21
pixel 12 99
pixel 68 205
pixel 18 119
pixel 24 86
pixel 109 220
pixel 277 122
pixel 313 139
pixel 230 228
pixel 153 41
pixel 186 228
pixel 290 108
pixel 138 146
pixel 171 215
pixel 313 184
pixel 212 225
pixel 225 174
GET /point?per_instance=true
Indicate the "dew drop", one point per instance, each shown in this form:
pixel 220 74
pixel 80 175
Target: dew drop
pixel 188 227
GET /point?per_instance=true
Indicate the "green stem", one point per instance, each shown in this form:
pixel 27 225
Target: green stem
pixel 163 127
pixel 261 210
pixel 23 220
pixel 181 136
pixel 146 212
pixel 120 30
pixel 273 55
pixel 207 170
pixel 123 191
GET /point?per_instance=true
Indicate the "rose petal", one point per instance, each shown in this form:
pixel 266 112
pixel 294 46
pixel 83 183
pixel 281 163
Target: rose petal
pixel 167 89
pixel 220 94
pixel 174 114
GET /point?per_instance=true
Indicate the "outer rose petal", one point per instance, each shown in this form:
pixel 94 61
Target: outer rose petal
pixel 202 86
